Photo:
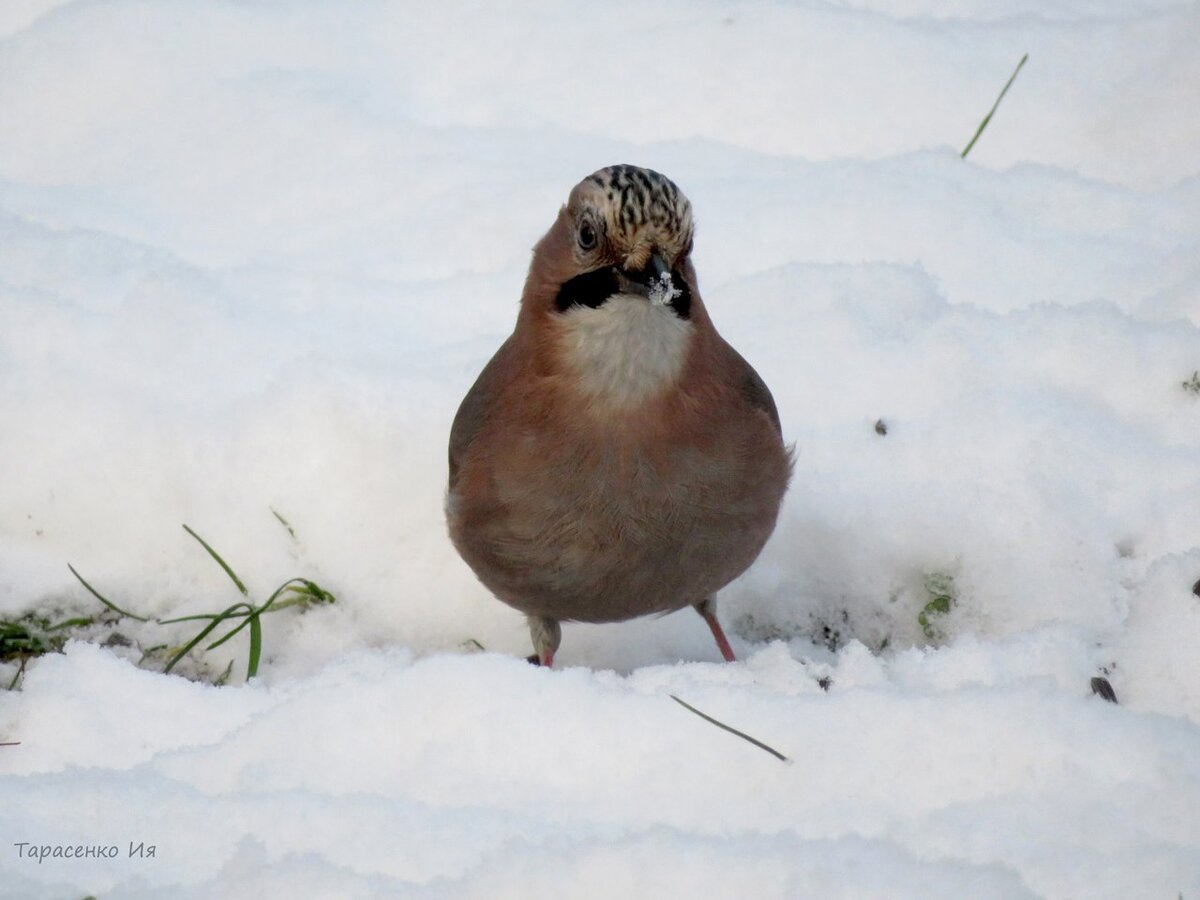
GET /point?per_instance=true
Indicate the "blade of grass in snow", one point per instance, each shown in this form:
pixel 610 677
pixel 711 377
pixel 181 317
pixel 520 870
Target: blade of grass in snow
pixel 302 591
pixel 742 735
pixel 16 640
pixel 213 553
pixel 150 650
pixel 198 616
pixel 284 522
pixel 224 677
pixel 252 616
pixel 95 593
pixel 12 685
pixel 205 632
pixel 310 593
pixel 310 590
pixel 992 111
pixel 255 647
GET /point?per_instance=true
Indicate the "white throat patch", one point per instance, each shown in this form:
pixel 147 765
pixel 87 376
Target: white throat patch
pixel 626 350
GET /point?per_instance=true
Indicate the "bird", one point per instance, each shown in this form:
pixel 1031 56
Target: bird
pixel 616 457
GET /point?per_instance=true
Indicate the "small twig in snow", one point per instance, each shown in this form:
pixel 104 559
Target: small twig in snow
pixel 744 737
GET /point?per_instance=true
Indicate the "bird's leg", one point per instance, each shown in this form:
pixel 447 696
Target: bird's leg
pixel 708 609
pixel 547 635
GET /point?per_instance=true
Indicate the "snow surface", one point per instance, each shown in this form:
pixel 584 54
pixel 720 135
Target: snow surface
pixel 253 253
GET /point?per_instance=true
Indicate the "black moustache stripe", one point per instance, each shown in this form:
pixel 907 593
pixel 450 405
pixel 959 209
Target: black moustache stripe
pixel 592 290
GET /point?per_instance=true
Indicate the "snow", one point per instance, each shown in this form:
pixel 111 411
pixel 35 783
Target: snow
pixel 663 290
pixel 253 254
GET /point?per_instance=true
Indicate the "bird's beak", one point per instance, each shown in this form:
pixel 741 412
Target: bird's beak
pixel 646 280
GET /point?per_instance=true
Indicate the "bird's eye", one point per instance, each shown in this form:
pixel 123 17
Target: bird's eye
pixel 587 236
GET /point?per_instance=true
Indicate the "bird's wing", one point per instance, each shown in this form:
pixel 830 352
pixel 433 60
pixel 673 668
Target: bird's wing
pixel 754 388
pixel 473 410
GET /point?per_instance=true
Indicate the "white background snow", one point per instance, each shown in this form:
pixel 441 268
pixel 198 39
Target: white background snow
pixel 253 253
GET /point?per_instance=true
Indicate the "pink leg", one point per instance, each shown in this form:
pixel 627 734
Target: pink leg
pixel 546 636
pixel 708 610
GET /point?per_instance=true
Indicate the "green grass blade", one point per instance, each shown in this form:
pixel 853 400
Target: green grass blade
pixel 992 111
pixel 95 593
pixel 285 523
pixel 314 592
pixel 742 735
pixel 197 618
pixel 255 647
pixel 151 650
pixel 12 685
pixel 205 632
pixel 224 565
pixel 279 590
pixel 306 594
pixel 217 643
pixel 70 623
pixel 220 682
pixel 253 615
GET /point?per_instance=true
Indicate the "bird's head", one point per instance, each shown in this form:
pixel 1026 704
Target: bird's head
pixel 624 230
pixel 612 284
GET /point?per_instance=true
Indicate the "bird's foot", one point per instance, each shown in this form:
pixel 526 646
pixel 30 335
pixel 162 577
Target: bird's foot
pixel 546 635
